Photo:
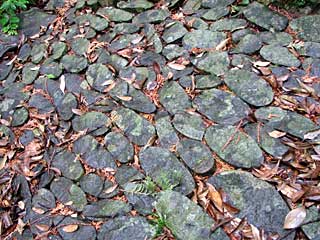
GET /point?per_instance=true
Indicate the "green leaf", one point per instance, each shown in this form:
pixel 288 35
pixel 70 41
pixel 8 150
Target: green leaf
pixel 50 76
pixel 15 20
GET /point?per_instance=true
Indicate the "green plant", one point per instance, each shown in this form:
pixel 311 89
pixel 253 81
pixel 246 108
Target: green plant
pixel 146 187
pixel 160 222
pixel 169 183
pixel 9 20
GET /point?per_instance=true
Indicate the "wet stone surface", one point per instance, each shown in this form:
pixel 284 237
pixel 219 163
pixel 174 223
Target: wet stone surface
pixel 120 117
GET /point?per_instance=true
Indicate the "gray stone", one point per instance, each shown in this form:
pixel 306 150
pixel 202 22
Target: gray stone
pixel 312 230
pixel 166 133
pixel 119 147
pixel 135 127
pixel 166 170
pixel 68 164
pixel 74 64
pixel 24 52
pixel 136 5
pixel 51 69
pixel 174 32
pixel 221 107
pixel 214 62
pixel 32 20
pixel 92 184
pixel 90 121
pixel 190 125
pixel 290 122
pixel 272 146
pixel 202 39
pixel 196 155
pixel 19 117
pixel 264 17
pixel 44 199
pixel 126 174
pixel 115 15
pixel 84 231
pixel 99 158
pixel 42 104
pixel 207 81
pixel 151 16
pixel 97 75
pixel 29 73
pixel 80 46
pixel 38 52
pixel 248 45
pixel 125 228
pixel 67 192
pixel 196 23
pixel 68 103
pixel 8 43
pixel 279 55
pixel 250 87
pixel 174 98
pixel 125 28
pixel 234 146
pixel 310 49
pixel 216 3
pixel 172 51
pixel 5 69
pixel 106 208
pixel 276 38
pixel 228 24
pixel 215 13
pixel 85 144
pixel 307 27
pixel 132 98
pixel 58 50
pixel 258 201
pixel 186 219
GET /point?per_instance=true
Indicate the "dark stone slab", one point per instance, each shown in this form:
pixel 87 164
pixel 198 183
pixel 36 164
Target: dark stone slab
pixel 119 147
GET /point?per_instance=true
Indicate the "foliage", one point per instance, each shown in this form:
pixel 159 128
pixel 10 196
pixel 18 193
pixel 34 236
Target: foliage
pixel 9 20
pixel 166 184
pixel 147 187
pixel 160 222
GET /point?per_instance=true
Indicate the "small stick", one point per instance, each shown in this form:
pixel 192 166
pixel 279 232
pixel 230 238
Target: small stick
pixel 231 137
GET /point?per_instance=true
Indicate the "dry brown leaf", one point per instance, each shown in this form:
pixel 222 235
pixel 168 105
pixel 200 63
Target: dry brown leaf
pixel 176 66
pixel 125 98
pixel 215 197
pixel 222 44
pixel 70 228
pixel 42 227
pixel 276 134
pixel 295 218
pixel 38 210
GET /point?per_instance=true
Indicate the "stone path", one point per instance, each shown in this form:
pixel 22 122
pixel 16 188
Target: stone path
pixel 119 121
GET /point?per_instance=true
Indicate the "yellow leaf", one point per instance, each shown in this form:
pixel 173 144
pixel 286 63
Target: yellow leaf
pixel 70 228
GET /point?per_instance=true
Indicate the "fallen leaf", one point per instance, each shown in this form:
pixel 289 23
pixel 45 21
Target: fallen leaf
pixel 222 44
pixel 276 134
pixel 42 227
pixel 261 64
pixel 70 228
pixel 62 83
pixel 176 66
pixel 38 210
pixel 295 218
pixel 311 135
pixel 125 98
pixel 215 197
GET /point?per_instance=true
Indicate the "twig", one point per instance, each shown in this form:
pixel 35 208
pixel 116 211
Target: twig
pixel 231 137
pixel 224 221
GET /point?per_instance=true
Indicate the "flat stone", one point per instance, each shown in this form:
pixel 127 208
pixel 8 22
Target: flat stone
pixel 119 147
pixel 20 116
pixel 42 104
pixel 174 32
pixel 97 23
pixel 125 28
pixel 139 74
pixel 32 20
pixel 127 228
pixel 8 43
pixel 68 103
pixel 74 64
pixel 307 27
pixel 221 107
pixel 166 133
pixel 248 45
pixel 132 98
pixel 68 164
pixel 126 174
pixel 242 151
pixel 272 146
pixel 136 5
pixel 44 199
pixel 51 69
pixel 286 121
pixel 106 208
pixel 115 15
pixel 258 201
pixel 216 13
pixel 92 184
pixel 196 23
pixel 172 51
pixel 84 144
pixel 80 46
pixel 207 81
pixel 38 52
pixel 312 230
pixel 279 55
pixel 174 98
pixel 214 62
pixel 186 219
pixel 97 75
pixel 276 38
pixel 310 49
pixel 151 16
pixel 249 87
pixel 83 232
pixel 135 127
pixel 196 155
pixel 58 50
pixel 216 3
pixel 264 17
pixel 67 192
pixel 100 158
pixel 190 125
pixel 228 24
pixel 24 52
pixel 166 170
pixel 202 39
pixel 90 121
pixel 5 69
